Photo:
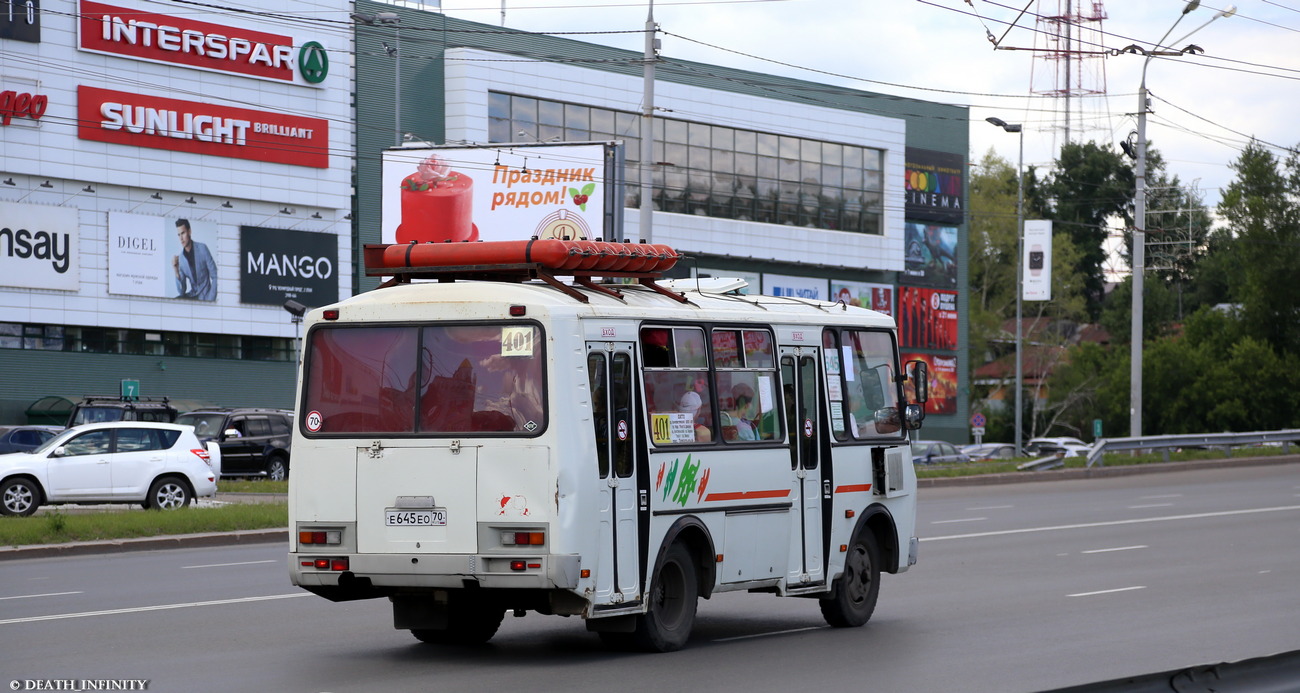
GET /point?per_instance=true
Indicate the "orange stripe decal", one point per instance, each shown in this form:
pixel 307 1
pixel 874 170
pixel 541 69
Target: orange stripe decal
pixel 853 488
pixel 747 495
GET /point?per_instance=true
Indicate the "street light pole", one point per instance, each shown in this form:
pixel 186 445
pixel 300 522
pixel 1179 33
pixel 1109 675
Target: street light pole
pixel 1020 234
pixel 1140 218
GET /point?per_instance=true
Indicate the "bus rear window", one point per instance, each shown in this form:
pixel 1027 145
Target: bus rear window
pixel 431 380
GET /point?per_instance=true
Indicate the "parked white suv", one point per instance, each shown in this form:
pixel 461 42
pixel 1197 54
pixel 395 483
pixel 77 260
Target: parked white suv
pixel 159 465
pixel 1072 447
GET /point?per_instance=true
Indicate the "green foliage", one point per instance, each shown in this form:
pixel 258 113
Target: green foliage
pixel 1262 208
pixel 126 523
pixel 1089 185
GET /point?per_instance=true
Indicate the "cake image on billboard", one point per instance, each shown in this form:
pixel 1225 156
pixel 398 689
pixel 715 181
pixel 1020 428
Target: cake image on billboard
pixel 437 205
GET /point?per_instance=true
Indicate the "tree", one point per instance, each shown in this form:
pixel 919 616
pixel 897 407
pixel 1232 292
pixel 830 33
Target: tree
pixel 1262 209
pixel 1089 186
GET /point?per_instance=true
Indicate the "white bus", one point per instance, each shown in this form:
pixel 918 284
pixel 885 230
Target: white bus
pixel 614 452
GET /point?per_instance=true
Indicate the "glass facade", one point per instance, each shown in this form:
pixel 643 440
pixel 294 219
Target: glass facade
pixel 112 340
pixel 713 170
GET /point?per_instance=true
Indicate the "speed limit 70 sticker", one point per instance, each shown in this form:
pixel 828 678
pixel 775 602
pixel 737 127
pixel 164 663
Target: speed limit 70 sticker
pixel 314 421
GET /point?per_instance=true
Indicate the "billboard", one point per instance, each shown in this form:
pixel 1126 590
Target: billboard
pixel 798 287
pixel 1037 267
pixel 38 247
pixel 877 297
pixel 930 255
pixel 162 257
pixel 927 318
pixel 507 193
pixel 276 265
pixel 943 382
pixel 934 185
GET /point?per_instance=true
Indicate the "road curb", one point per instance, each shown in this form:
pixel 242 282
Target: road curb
pixel 176 541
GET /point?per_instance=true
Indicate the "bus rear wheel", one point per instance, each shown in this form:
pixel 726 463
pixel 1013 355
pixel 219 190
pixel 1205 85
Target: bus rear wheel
pixel 670 614
pixel 469 623
pixel 857 588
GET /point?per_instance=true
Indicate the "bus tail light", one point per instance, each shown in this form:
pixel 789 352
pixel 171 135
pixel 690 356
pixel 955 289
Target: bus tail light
pixel 523 538
pixel 334 564
pixel 518 565
pixel 320 537
pixel 331 314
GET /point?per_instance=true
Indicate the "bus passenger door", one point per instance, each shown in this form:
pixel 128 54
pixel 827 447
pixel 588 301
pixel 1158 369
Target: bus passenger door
pixel 803 420
pixel 612 377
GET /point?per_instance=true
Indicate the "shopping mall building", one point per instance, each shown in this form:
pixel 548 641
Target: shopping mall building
pixel 171 176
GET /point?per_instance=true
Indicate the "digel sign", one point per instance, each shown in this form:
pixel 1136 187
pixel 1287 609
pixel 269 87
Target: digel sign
pixel 21 105
pixel 38 247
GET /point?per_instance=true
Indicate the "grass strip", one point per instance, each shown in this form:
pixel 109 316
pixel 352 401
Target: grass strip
pixel 54 526
pixel 252 486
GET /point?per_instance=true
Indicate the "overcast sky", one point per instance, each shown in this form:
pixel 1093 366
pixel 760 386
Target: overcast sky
pixel 1204 109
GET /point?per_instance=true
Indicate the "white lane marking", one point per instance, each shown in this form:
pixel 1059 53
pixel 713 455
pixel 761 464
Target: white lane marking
pixel 1113 523
pixel 1265 572
pixel 1122 589
pixel 156 607
pixel 991 507
pixel 964 519
pixel 224 565
pixel 32 596
pixel 764 635
pixel 1150 505
pixel 1118 548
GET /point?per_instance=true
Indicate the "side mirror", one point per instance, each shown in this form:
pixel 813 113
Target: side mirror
pixel 230 433
pixel 919 373
pixel 60 451
pixel 913 415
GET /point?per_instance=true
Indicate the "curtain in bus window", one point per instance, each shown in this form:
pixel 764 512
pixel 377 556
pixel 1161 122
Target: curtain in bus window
pixel 362 379
pixel 745 383
pixel 481 378
pixel 870 388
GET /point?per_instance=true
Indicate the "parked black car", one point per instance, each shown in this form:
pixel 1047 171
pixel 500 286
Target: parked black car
pixel 253 441
pixel 25 438
pixel 105 408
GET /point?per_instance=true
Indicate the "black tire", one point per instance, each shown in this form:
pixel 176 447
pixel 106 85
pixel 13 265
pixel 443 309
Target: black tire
pixel 469 623
pixel 168 493
pixel 670 613
pixel 19 497
pixel 277 468
pixel 858 587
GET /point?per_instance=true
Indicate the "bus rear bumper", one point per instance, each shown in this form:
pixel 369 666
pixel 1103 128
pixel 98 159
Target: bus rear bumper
pixel 386 572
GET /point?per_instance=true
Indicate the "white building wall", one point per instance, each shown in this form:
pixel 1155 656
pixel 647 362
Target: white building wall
pixel 229 192
pixel 471 74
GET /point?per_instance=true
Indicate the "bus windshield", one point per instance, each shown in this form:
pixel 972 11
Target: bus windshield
pixel 430 380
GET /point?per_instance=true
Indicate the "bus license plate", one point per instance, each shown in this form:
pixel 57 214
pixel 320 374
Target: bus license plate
pixel 436 517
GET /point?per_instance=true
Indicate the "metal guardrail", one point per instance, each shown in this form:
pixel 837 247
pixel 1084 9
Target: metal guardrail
pixel 1202 440
pixel 1042 463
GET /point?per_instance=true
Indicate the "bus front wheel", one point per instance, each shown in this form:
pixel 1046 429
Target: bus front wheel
pixel 670 614
pixel 858 586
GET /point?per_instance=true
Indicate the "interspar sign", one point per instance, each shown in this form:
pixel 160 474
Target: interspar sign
pixel 200 128
pixel 183 41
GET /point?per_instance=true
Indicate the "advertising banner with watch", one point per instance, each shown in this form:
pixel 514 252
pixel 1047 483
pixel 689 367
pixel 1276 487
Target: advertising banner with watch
pixel 1037 267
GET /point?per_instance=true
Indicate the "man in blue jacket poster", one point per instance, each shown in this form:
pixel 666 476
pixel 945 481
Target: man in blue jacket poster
pixel 196 271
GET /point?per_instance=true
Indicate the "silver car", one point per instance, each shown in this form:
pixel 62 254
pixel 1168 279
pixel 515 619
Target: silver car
pixel 937 452
pixel 159 465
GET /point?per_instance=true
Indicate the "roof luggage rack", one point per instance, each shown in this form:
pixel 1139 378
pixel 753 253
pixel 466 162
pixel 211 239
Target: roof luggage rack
pixel 519 261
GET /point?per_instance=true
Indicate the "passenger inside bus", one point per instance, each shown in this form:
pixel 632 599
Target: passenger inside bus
pixel 691 403
pixel 737 420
